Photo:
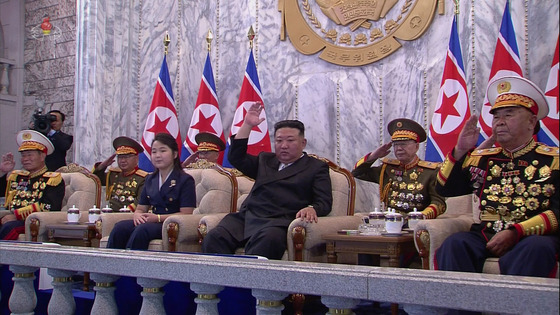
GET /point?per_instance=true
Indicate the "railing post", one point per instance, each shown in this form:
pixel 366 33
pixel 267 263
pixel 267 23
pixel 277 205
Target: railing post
pixel 269 302
pixel 62 301
pixel 339 305
pixel 23 299
pixel 104 297
pixel 4 78
pixel 206 300
pixel 152 294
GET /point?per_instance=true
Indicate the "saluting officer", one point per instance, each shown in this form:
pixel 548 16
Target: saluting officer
pixel 517 184
pixel 33 189
pixel 406 182
pixel 123 184
pixel 209 148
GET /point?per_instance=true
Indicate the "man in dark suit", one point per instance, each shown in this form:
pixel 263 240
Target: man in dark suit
pixel 61 141
pixel 289 184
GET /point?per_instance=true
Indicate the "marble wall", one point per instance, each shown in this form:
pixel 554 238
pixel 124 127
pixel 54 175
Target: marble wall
pixel 345 109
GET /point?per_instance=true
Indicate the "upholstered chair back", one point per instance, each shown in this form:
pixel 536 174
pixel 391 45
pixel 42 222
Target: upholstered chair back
pixel 216 190
pixel 82 189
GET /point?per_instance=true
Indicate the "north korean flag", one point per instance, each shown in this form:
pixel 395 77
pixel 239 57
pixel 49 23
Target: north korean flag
pixel 506 62
pixel 259 139
pixel 206 115
pixel 452 109
pixel 162 117
pixel 549 125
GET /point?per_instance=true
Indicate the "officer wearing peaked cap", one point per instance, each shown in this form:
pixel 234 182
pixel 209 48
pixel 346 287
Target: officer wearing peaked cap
pixel 209 148
pixel 123 183
pixel 517 184
pixel 30 190
pixel 406 182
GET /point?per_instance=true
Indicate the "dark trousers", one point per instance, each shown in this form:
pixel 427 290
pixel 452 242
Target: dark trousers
pixel 269 242
pixel 534 255
pixel 11 230
pixel 126 235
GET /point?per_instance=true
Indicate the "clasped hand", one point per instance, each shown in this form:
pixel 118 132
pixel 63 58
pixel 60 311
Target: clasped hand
pixel 142 217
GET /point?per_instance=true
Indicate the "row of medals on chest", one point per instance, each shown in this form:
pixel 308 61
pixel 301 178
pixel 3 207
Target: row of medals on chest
pixel 25 196
pixel 511 183
pixel 405 191
pixel 123 194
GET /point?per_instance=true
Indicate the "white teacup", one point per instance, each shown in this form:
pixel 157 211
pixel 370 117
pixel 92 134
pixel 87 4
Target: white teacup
pixel 73 215
pixel 94 214
pixel 393 222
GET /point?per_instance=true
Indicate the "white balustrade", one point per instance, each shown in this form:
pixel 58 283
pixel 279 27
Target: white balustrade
pixel 340 286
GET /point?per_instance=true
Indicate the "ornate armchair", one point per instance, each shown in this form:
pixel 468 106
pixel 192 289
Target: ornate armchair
pixel 216 191
pixel 430 234
pixel 82 189
pixel 304 240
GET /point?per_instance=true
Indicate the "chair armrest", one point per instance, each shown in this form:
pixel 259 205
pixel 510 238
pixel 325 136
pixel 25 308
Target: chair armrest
pixel 305 242
pixel 430 234
pixel 107 222
pixel 208 222
pixel 40 220
pixel 182 232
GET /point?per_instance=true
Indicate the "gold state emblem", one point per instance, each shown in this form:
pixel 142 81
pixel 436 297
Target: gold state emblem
pixel 354 32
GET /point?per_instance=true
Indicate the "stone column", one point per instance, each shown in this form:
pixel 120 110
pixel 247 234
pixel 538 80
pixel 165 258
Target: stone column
pixel 206 300
pixel 104 288
pixel 269 302
pixel 62 301
pixel 23 299
pixel 339 305
pixel 152 296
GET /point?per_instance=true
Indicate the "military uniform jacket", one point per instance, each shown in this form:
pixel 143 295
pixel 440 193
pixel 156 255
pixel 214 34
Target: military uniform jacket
pixel 516 190
pixel 178 191
pixel 34 192
pixel 277 196
pixel 122 190
pixel 404 187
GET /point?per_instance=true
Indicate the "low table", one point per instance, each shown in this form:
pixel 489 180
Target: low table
pixel 392 246
pixel 65 233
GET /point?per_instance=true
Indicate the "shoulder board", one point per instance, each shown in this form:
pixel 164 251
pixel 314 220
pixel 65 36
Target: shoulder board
pixel 114 169
pixel 547 150
pixel 20 172
pixel 490 151
pixel 391 161
pixel 15 173
pixel 142 173
pixel 427 164
pixel 51 174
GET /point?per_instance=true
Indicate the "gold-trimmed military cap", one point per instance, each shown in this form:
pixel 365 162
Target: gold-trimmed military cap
pixel 209 142
pixel 125 145
pixel 509 91
pixel 406 129
pixel 32 140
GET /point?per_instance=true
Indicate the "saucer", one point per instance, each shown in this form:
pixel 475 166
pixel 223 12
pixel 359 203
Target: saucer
pixel 393 234
pixel 68 222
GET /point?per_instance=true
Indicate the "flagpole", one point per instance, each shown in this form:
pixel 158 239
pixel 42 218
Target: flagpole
pixel 456 12
pixel 209 38
pixel 166 42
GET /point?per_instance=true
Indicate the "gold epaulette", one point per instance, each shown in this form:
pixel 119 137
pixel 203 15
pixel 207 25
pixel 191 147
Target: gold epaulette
pixel 391 161
pixel 489 151
pixel 427 164
pixel 550 151
pixel 16 173
pixel 474 158
pixel 141 173
pixel 115 169
pixel 55 178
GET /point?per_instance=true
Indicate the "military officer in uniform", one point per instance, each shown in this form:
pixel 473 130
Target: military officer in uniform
pixel 406 182
pixel 209 148
pixel 517 184
pixel 33 189
pixel 123 184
